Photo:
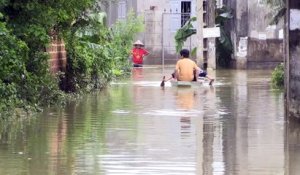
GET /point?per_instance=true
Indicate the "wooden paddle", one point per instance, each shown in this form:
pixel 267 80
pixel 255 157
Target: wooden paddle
pixel 211 81
pixel 162 84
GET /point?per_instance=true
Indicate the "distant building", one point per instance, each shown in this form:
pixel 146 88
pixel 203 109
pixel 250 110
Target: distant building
pixel 162 19
pixel 256 43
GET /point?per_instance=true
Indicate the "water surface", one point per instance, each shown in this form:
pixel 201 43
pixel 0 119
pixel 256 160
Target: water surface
pixel 136 127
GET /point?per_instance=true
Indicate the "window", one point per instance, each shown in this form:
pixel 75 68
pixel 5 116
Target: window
pixel 185 12
pixel 219 3
pixel 121 10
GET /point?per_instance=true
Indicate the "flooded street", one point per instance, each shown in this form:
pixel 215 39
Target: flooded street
pixel 235 127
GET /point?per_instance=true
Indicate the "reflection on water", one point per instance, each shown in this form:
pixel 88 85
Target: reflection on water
pixel 185 98
pixel 293 154
pixel 135 127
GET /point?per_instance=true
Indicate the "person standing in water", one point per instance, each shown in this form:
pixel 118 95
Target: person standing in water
pixel 138 53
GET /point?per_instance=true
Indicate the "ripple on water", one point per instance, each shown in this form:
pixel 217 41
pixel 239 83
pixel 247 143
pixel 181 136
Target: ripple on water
pixel 150 83
pixel 139 164
pixel 170 112
pixel 120 111
pixel 136 128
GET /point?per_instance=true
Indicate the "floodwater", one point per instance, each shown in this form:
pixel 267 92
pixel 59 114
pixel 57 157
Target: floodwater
pixel 236 127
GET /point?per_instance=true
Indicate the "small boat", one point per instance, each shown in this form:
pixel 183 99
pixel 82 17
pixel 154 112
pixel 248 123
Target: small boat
pixel 186 83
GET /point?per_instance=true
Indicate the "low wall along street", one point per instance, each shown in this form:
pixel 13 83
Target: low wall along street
pixel 264 53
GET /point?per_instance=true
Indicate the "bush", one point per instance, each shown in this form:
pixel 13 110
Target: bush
pixel 8 97
pixel 24 82
pixel 278 76
pixel 25 31
pixel 96 53
pixel 13 56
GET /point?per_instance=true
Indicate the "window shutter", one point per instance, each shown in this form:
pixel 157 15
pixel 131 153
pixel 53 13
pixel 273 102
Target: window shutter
pixel 219 3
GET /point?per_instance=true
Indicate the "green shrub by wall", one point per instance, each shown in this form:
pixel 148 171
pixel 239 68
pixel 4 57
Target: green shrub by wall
pixel 278 76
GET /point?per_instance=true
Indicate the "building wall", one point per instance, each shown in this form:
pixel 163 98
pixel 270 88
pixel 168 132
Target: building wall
pixel 113 9
pixel 161 23
pixel 256 43
pixel 293 61
pixel 265 47
pixel 153 34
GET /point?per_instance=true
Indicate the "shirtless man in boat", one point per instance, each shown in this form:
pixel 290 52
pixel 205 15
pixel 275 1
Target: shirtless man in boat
pixel 186 69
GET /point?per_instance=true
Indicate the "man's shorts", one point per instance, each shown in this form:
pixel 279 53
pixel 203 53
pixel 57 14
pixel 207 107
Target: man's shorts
pixel 203 74
pixel 137 65
pixel 173 75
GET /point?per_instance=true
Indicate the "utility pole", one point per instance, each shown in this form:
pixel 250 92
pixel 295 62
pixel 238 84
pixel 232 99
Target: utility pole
pixel 200 61
pixel 292 63
pixel 199 13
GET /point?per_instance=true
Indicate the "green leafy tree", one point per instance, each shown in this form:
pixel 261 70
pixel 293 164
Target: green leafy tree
pixel 13 55
pixel 224 44
pixel 278 10
pixel 33 20
pixel 95 52
pixel 25 32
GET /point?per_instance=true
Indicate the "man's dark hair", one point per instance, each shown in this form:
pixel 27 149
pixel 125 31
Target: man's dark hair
pixel 185 53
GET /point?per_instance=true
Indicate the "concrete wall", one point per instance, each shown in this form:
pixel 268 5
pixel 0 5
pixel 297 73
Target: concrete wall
pixel 264 53
pixel 293 59
pixel 152 36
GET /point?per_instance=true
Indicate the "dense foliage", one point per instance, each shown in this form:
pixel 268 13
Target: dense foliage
pixel 224 47
pixel 278 10
pixel 278 76
pixel 96 53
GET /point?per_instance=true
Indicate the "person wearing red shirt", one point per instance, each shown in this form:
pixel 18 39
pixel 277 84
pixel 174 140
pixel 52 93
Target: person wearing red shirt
pixel 138 53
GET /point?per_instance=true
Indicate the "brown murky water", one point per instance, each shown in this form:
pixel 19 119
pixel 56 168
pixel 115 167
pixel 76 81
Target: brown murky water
pixel 135 127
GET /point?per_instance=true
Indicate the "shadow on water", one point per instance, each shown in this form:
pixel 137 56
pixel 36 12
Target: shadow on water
pixel 135 127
